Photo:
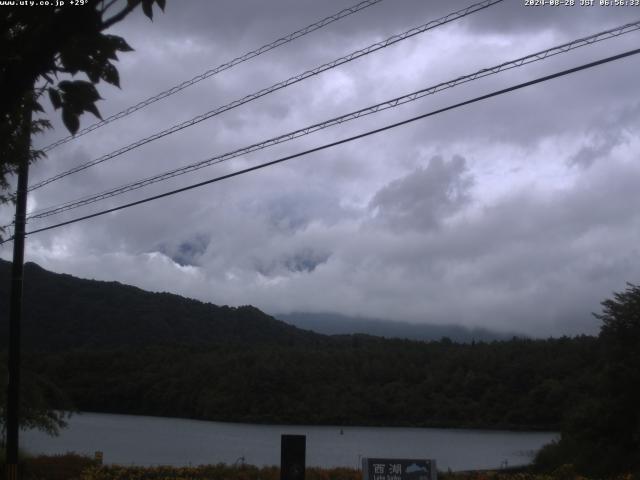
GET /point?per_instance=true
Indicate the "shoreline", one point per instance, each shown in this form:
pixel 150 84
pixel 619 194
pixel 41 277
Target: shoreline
pixel 430 426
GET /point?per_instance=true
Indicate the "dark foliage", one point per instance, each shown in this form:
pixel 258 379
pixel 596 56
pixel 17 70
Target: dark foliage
pixel 38 45
pixel 353 380
pixel 37 394
pixel 601 434
pixel 69 466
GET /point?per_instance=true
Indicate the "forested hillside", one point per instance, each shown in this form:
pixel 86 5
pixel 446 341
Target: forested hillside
pixel 63 312
pixel 116 348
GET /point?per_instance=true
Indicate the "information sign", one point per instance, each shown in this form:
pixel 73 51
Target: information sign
pixel 398 469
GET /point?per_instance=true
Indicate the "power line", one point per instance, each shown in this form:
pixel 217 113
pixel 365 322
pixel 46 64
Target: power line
pixel 534 57
pixel 220 68
pixel 290 81
pixel 345 140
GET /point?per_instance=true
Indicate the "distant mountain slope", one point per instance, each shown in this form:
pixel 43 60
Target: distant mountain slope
pixel 64 312
pixel 334 324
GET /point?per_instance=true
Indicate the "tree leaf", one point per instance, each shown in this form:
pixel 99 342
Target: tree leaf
pixel 105 49
pixel 93 72
pixel 119 43
pixel 79 92
pixel 40 125
pixel 161 4
pixel 65 85
pixel 71 120
pixel 73 58
pixel 36 107
pixel 110 75
pixel 54 96
pixel 147 8
pixel 93 109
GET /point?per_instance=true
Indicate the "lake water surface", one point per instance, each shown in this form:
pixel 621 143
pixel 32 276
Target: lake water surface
pixel 128 439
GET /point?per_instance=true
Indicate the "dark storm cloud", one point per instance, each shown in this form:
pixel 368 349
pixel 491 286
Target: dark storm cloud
pixel 304 260
pixel 187 252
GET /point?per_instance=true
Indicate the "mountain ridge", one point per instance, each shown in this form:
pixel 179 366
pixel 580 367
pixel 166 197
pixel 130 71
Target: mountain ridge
pixel 64 312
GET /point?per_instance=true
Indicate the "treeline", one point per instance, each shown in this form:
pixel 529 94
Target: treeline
pixel 354 380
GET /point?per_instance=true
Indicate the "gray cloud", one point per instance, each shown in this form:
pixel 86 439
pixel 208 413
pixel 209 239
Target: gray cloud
pixel 421 199
pixel 498 229
pixel 606 135
pixel 187 252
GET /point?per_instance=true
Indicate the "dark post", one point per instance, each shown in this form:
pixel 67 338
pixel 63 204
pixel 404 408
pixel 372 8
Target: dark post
pixel 292 457
pixel 15 305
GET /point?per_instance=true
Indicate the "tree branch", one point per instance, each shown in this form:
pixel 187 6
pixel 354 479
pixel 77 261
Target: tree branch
pixel 107 6
pixel 119 16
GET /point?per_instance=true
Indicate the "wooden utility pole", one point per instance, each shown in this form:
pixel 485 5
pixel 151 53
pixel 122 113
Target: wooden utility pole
pixel 15 305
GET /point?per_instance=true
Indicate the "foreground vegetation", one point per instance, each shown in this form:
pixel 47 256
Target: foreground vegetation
pixel 69 466
pixel 76 467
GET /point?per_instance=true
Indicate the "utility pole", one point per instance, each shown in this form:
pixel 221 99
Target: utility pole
pixel 15 305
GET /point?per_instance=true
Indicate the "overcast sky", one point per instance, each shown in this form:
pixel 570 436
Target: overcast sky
pixel 519 213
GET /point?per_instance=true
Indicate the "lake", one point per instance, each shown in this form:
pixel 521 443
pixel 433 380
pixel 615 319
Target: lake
pixel 138 440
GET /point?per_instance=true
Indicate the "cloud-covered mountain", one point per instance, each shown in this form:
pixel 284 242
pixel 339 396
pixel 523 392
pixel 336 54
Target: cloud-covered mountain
pixel 334 324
